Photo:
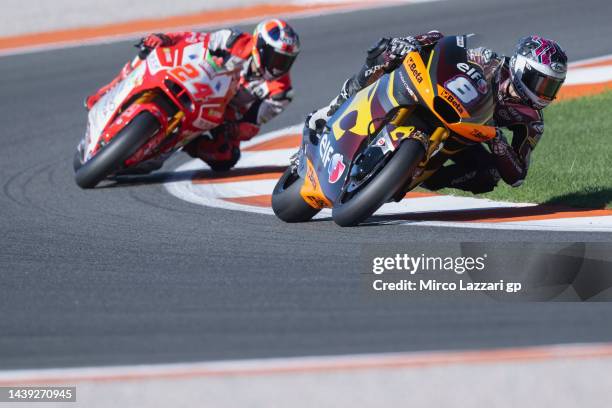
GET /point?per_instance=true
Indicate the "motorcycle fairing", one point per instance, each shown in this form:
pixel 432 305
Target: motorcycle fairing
pixel 441 85
pixel 106 108
pixel 185 78
pixel 449 86
pixel 359 118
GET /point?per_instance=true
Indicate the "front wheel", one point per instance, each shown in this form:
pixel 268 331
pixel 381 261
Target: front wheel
pixel 384 185
pixel 287 202
pixel 111 157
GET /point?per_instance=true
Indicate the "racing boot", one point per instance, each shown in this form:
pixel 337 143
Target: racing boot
pixel 318 119
pixel 217 148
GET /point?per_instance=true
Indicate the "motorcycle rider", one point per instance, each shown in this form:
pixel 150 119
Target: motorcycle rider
pixel 264 92
pixel 524 85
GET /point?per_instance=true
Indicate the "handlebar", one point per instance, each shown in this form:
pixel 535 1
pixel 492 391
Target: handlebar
pixel 143 50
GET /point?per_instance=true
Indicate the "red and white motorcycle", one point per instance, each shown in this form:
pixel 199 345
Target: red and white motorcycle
pixel 169 98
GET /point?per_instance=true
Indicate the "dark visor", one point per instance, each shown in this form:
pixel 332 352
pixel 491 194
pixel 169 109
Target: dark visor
pixel 542 85
pixel 277 63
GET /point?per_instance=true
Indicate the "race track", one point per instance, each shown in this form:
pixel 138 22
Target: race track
pixel 130 274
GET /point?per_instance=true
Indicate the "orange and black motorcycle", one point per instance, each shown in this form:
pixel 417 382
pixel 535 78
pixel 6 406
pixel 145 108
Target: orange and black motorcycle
pixel 389 137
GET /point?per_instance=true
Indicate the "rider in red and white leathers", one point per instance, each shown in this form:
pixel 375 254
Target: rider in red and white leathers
pixel 265 85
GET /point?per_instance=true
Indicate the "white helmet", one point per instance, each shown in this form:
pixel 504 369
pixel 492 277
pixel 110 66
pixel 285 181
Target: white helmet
pixel 538 69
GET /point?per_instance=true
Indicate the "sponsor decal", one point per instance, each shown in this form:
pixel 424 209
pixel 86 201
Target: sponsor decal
pixel 311 177
pixel 451 99
pixel 154 63
pixel 336 168
pixel 325 150
pixel 372 70
pixel 407 86
pixel 475 75
pixel 460 42
pixel 558 67
pixel 479 135
pixel 415 72
pixel 316 201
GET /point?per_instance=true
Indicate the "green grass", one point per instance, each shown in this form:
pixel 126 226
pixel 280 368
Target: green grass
pixel 572 164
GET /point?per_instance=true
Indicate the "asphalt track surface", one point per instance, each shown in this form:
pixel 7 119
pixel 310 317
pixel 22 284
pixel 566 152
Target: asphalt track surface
pixel 131 274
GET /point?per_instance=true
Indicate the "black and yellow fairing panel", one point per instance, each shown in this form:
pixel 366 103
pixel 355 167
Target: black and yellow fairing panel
pixel 359 118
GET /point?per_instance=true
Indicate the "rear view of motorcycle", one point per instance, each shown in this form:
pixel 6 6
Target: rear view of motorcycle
pixel 389 137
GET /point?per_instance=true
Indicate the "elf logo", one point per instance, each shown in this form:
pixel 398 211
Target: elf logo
pixel 325 150
pixel 336 168
pixel 475 76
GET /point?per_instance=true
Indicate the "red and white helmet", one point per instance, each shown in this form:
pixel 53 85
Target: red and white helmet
pixel 538 69
pixel 276 45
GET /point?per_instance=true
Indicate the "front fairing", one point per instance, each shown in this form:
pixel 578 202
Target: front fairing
pixel 199 88
pixel 106 108
pixel 355 123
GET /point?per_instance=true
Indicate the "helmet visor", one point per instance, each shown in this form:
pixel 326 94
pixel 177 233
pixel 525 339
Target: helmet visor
pixel 276 63
pixel 543 86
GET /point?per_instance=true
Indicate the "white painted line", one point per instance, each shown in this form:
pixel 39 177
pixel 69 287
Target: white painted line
pixel 340 363
pixel 590 61
pixel 592 75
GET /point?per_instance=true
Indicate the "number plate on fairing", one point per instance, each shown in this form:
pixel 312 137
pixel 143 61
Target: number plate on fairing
pixel 212 89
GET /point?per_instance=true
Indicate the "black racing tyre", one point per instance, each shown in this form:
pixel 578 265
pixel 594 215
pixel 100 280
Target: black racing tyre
pixel 111 157
pixel 393 176
pixel 287 202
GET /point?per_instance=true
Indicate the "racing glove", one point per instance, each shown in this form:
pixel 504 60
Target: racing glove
pixel 499 144
pixel 316 120
pixel 400 46
pixel 153 41
pixel 150 42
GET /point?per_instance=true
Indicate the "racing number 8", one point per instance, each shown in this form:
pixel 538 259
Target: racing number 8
pixel 463 89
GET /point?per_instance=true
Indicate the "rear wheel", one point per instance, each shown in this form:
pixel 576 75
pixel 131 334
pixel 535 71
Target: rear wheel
pixel 361 204
pixel 110 158
pixel 287 202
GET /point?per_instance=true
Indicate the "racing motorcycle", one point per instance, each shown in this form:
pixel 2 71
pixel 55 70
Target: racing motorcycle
pixel 172 95
pixel 389 137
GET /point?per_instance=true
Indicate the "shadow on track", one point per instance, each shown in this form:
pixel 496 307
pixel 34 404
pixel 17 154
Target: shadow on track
pixel 556 207
pixel 197 176
pixel 597 198
pixel 583 204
